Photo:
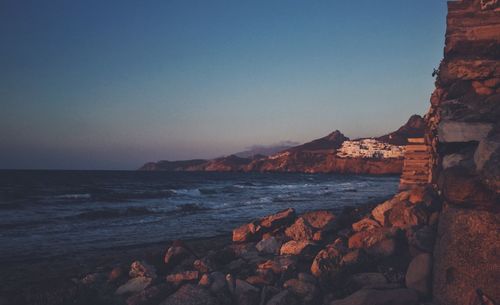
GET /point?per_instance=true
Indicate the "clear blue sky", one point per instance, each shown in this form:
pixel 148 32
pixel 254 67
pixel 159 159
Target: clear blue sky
pixel 92 84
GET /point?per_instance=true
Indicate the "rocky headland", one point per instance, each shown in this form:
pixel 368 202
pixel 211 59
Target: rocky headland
pixel 334 153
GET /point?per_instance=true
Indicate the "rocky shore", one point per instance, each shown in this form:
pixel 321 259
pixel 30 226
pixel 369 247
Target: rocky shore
pixel 367 255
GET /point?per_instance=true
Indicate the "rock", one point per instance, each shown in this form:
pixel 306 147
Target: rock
pixel 418 276
pixel 306 277
pixel 300 230
pixel 451 131
pixel 452 160
pixel 185 276
pixel 484 151
pixel 203 265
pixel 246 232
pixel 218 282
pixel 141 268
pixel 279 219
pixel 355 257
pixel 380 297
pixel 279 264
pixel 422 238
pixel 466 255
pixel 191 295
pixel 319 220
pixel 365 224
pixel 379 212
pixel 307 291
pixel 175 254
pixel 363 280
pixel 150 295
pixel 269 245
pixel 284 297
pixel 246 293
pixel 327 262
pixel 460 186
pixel 115 274
pixel 404 215
pixel 377 242
pixel 134 285
pixel 302 248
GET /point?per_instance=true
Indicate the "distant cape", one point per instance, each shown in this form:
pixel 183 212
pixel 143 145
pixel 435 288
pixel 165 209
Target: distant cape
pixel 334 153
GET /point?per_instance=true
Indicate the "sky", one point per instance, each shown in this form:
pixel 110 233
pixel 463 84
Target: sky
pixel 92 84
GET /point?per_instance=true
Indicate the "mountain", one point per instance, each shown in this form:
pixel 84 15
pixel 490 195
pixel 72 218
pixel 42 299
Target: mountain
pixel 414 128
pixel 332 141
pixel 334 153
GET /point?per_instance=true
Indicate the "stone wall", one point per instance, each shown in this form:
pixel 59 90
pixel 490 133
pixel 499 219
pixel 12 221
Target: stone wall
pixel 464 132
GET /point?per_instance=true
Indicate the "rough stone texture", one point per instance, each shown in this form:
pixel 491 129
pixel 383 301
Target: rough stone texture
pixel 191 295
pixel 135 285
pixel 327 262
pixel 379 212
pixel 380 297
pixel 466 255
pixel 319 219
pixel 378 242
pixel 294 247
pixel 463 130
pixel 365 224
pixel 300 230
pixel 139 268
pixel 418 275
pixel 268 245
pixel 449 131
pixel 246 232
pixel 281 218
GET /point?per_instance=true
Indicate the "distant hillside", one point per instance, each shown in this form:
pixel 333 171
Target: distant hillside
pixel 334 153
pixel 414 128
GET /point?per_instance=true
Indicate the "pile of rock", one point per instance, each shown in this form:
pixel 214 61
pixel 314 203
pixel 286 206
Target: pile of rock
pixel 381 256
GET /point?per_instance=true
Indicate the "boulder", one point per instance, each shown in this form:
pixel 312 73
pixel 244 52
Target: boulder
pixel 247 232
pixel 175 254
pixel 380 297
pixel 134 285
pixel 379 212
pixel 418 275
pixel 378 242
pixel 422 238
pixel 365 224
pixel 191 295
pixel 303 248
pixel 284 297
pixel 150 295
pixel 320 220
pixel 141 268
pixel 274 221
pixel 181 277
pixel 203 265
pixel 405 215
pixel 460 186
pixel 269 245
pixel 279 264
pixel 364 280
pixel 327 262
pixel 466 255
pixel 307 291
pixel 452 131
pixel 246 294
pixel 300 230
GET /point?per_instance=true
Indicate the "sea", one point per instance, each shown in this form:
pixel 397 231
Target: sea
pixel 50 214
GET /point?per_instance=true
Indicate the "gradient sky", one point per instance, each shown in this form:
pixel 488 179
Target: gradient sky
pixel 92 84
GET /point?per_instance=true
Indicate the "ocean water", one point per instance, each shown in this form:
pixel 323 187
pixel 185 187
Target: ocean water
pixel 46 214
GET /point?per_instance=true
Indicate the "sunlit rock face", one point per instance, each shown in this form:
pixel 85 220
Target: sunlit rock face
pixel 464 129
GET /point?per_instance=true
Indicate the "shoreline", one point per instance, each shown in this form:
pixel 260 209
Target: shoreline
pixel 40 280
